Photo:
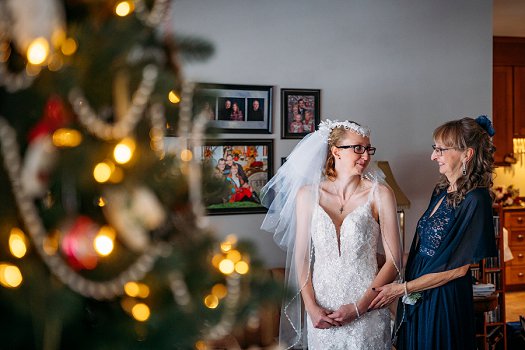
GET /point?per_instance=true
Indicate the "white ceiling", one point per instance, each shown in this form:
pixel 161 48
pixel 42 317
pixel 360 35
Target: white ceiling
pixel 509 18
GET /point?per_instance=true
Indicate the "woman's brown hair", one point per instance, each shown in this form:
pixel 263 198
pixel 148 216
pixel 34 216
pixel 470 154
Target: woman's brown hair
pixel 462 134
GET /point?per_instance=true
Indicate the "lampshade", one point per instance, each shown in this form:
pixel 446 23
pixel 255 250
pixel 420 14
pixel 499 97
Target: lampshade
pixel 401 198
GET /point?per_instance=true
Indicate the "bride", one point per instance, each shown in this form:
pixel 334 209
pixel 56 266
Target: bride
pixel 333 216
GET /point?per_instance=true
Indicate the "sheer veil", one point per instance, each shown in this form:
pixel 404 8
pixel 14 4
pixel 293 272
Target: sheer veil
pixel 291 197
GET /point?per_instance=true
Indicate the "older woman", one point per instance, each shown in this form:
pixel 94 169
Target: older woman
pixel 455 231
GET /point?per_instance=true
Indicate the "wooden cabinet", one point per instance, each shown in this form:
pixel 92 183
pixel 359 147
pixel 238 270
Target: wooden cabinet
pixel 508 95
pixel 502 112
pixel 519 101
pixel 514 222
pixel 491 323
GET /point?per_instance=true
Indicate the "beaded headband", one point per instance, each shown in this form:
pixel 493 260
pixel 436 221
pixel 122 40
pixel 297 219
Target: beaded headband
pixel 325 127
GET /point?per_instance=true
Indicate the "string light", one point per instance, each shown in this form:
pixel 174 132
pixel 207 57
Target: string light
pixel 124 150
pixel 219 290
pixel 242 267
pixel 131 288
pixel 17 243
pixel 69 46
pixel 234 255
pixel 140 312
pixel 10 276
pixel 67 137
pixel 103 242
pixel 124 8
pixel 186 155
pixel 102 172
pixel 226 266
pixel 38 51
pixel 201 345
pixel 211 301
pixel 172 96
pixel 143 291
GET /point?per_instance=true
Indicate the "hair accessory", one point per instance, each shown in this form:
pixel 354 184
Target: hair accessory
pixel 326 126
pixel 486 124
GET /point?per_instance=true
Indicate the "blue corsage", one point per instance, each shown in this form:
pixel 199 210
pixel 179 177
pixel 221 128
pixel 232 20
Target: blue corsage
pixel 486 124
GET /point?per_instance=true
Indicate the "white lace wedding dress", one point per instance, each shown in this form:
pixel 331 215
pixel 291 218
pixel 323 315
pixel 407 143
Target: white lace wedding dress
pixel 342 274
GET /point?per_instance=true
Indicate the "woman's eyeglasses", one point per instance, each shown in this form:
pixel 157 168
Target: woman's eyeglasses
pixel 440 150
pixel 360 149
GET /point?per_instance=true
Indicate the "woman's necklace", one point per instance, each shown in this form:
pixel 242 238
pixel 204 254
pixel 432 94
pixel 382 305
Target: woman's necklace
pixel 342 208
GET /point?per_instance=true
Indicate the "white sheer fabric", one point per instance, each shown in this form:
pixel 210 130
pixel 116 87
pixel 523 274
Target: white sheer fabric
pixel 292 199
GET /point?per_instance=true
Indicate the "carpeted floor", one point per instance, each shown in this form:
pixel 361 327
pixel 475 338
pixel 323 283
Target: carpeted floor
pixel 514 305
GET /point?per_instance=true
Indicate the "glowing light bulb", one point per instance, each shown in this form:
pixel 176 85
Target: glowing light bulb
pixel 124 8
pixel 131 289
pixel 216 260
pixel 140 312
pixel 242 267
pixel 67 137
pixel 186 155
pixel 201 345
pixel 211 301
pixel 234 255
pixel 226 266
pixel 103 243
pixel 219 290
pixel 226 246
pixel 10 276
pixel 50 243
pixel 172 96
pixel 102 171
pixel 17 243
pixel 38 51
pixel 143 291
pixel 124 150
pixel 69 46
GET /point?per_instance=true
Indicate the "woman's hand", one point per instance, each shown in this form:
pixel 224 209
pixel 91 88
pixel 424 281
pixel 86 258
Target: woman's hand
pixel 319 318
pixel 345 314
pixel 387 294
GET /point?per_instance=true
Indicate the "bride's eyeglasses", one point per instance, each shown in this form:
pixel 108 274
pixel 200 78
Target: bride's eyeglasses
pixel 360 149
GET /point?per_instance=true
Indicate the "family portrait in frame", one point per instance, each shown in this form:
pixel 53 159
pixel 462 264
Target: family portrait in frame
pixel 300 112
pixel 235 108
pixel 240 169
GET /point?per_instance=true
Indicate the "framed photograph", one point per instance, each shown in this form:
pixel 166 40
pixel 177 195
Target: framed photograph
pixel 243 109
pixel 300 112
pixel 240 169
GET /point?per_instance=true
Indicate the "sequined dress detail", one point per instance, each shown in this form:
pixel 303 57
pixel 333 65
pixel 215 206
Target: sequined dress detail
pixel 342 278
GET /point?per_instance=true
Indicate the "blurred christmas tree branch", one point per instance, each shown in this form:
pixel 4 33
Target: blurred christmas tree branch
pixel 104 239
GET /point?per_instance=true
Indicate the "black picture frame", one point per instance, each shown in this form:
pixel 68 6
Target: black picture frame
pixel 254 156
pixel 211 99
pixel 310 112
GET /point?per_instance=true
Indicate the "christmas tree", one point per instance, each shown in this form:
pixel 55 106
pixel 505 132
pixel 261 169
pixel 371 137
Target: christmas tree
pixel 104 243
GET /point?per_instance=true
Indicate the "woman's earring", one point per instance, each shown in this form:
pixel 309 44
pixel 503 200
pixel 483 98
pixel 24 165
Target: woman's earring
pixel 464 168
pixel 339 157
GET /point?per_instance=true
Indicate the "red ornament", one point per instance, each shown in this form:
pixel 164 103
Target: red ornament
pixel 54 117
pixel 77 244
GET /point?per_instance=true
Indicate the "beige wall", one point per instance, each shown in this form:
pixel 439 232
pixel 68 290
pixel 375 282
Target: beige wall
pixel 401 67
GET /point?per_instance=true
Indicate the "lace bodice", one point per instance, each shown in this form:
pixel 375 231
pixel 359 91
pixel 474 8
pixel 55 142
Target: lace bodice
pixel 341 274
pixel 432 229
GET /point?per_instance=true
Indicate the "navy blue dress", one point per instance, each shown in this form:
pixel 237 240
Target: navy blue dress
pixel 443 318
